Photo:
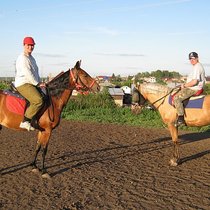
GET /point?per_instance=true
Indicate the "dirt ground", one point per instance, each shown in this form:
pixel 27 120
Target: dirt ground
pixel 107 167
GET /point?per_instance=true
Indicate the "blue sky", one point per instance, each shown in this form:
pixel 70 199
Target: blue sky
pixel 123 37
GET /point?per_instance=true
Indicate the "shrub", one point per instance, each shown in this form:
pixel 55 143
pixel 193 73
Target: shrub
pixel 3 85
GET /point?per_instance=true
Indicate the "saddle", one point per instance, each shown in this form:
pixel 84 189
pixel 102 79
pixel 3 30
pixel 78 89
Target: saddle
pixel 17 104
pixel 195 101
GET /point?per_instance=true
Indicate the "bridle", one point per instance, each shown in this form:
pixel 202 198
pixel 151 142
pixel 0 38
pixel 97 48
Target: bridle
pixel 80 86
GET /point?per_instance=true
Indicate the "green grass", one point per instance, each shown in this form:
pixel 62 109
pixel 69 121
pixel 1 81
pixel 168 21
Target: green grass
pixel 115 115
pixel 101 108
pixel 3 86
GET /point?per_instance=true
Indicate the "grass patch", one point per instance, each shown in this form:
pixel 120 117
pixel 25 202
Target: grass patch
pixel 102 109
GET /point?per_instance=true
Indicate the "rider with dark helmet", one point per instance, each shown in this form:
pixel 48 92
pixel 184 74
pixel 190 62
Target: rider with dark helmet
pixel 195 83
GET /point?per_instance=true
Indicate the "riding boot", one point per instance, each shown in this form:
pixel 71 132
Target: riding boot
pixel 180 121
pixel 26 119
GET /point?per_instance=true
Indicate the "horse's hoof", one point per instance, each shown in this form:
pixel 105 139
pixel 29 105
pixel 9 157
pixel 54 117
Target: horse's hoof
pixel 46 176
pixel 35 170
pixel 173 162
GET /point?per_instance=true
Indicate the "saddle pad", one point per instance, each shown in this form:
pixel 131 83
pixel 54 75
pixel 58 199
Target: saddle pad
pixel 12 93
pixel 195 102
pixel 15 104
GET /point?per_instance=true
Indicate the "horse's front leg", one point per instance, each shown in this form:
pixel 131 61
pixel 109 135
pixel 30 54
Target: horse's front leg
pixel 44 171
pixel 33 164
pixel 176 155
pixel 43 138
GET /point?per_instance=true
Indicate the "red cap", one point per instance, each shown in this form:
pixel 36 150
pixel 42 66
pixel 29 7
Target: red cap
pixel 28 40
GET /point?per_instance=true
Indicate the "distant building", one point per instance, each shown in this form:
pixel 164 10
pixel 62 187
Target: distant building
pixel 106 84
pixel 103 78
pixel 207 80
pixel 126 89
pixel 117 94
pixel 7 79
pixel 149 79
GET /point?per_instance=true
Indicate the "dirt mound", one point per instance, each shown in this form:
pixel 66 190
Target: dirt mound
pixel 105 166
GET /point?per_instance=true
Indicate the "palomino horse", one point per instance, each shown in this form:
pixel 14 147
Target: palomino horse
pixel 59 90
pixel 158 95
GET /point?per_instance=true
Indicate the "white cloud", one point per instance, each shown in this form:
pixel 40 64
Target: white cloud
pixel 166 3
pixel 187 33
pixel 50 55
pixel 152 5
pixel 95 30
pixel 104 30
pixel 121 54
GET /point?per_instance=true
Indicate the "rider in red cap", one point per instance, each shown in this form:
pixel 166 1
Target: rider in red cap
pixel 27 80
pixel 28 40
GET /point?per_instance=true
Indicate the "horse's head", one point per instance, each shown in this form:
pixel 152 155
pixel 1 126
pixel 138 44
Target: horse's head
pixel 137 97
pixel 138 101
pixel 81 80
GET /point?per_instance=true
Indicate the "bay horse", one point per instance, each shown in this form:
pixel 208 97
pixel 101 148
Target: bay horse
pixel 59 91
pixel 158 96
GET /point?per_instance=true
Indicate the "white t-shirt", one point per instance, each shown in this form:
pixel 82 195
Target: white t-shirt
pixel 26 71
pixel 197 73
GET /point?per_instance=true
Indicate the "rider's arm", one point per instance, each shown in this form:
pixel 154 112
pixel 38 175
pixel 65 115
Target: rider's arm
pixel 191 83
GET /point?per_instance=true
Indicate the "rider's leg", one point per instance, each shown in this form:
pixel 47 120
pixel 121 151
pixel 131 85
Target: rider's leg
pixel 178 102
pixel 31 93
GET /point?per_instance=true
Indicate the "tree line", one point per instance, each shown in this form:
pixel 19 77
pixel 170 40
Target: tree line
pixel 158 74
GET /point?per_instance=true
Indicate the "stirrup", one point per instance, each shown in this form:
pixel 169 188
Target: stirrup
pixel 179 122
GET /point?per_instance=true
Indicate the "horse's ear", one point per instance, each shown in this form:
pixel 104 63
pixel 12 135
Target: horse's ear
pixel 77 66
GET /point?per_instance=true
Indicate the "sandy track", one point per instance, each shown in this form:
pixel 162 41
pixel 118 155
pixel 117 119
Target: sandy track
pixel 104 166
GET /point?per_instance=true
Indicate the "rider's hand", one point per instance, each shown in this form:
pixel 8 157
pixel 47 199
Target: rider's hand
pixel 182 86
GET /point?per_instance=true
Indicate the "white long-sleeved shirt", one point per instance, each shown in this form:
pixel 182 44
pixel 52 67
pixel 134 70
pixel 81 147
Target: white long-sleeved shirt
pixel 27 70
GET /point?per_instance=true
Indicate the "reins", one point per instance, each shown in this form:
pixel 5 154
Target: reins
pixel 163 97
pixel 50 99
pixel 51 103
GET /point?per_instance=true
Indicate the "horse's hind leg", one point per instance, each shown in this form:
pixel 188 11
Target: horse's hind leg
pixel 0 127
pixel 176 155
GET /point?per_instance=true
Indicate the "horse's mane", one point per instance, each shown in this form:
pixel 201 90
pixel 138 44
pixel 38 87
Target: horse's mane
pixel 58 84
pixel 155 88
